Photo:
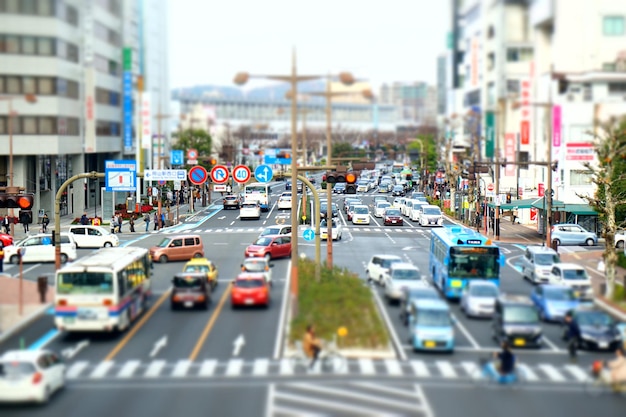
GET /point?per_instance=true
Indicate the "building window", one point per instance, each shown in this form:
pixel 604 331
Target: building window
pixel 72 89
pixel 617 88
pixel 46 126
pixel 491 61
pixel 45 85
pixel 29 85
pixel 45 8
pixel 71 15
pixel 513 86
pixel 13 85
pixel 11 44
pixel 30 125
pixel 490 32
pixel 1 84
pixel 519 54
pixel 9 6
pixel 45 46
pixel 3 125
pixel 613 25
pixel 29 45
pixel 587 92
pixel 580 177
pixel 13 124
pixel 27 7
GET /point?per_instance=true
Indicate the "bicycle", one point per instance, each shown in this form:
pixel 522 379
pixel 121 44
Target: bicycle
pixel 486 374
pixel 596 384
pixel 330 358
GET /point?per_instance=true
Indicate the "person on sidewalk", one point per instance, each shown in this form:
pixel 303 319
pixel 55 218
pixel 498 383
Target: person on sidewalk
pixel 146 219
pixel 25 220
pixel 515 213
pixel 113 224
pixel 6 224
pixel 156 220
pixel 120 222
pixel 45 221
pixel 131 223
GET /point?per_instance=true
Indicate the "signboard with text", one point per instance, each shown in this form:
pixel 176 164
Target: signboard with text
pixel 120 175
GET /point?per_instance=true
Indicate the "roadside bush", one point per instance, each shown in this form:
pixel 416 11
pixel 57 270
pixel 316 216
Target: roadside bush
pixel 621 259
pixel 341 298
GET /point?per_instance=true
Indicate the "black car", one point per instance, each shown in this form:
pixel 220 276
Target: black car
pixel 398 190
pixel 324 210
pixel 597 329
pixel 189 290
pixel 516 320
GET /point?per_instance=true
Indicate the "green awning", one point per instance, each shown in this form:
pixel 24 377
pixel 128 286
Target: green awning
pixel 557 205
pixel 580 209
pixel 516 204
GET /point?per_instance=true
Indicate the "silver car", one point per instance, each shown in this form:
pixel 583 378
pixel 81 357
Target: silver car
pixel 573 234
pixel 479 298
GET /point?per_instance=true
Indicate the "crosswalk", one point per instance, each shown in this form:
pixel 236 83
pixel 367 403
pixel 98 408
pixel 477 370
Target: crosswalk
pixel 392 230
pixel 283 368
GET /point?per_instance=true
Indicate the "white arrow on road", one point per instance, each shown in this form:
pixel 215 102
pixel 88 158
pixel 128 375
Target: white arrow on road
pixel 69 353
pixel 238 344
pixel 160 344
pixel 221 218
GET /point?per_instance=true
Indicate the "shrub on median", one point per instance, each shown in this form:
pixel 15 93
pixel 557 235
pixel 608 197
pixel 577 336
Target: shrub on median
pixel 341 298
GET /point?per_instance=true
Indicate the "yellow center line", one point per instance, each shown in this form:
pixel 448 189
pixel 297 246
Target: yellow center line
pixel 209 325
pixel 134 329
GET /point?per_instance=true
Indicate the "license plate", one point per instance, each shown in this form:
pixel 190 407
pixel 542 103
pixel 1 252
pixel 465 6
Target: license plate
pixel 249 301
pixel 188 304
pixel 430 344
pixel 456 284
pixel 519 342
pixel 603 345
pixel 393 221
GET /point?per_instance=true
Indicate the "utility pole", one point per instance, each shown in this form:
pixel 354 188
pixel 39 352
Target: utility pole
pixel 501 128
pixel 548 188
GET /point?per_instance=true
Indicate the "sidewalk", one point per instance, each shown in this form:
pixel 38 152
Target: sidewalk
pixel 510 233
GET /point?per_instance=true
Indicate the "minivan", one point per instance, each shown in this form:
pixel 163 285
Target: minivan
pixel 537 263
pixel 516 321
pixel 189 290
pixel 178 248
pixel 378 265
pixel 431 325
pixel 87 236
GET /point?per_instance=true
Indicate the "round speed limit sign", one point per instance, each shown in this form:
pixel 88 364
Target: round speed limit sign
pixel 241 174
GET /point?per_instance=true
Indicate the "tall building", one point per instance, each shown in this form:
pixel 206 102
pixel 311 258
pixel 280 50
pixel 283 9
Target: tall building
pixel 411 100
pixel 79 60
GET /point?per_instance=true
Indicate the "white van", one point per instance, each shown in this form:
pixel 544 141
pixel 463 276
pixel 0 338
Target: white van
pixel 431 216
pixel 361 214
pixel 574 276
pixel 39 248
pixel 93 237
pixel 250 210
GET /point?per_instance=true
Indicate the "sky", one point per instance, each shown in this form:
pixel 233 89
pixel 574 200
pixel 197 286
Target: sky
pixel 379 41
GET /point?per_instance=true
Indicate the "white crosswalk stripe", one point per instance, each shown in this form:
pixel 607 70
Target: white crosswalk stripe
pixel 265 367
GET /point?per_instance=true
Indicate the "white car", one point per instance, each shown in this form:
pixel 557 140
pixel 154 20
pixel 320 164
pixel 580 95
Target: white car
pixel 380 208
pixel 431 216
pixel 336 230
pixel 258 265
pixel 379 265
pixel 573 275
pixel 400 276
pixel 250 210
pixel 416 211
pixel 284 203
pixel 277 229
pixel 39 248
pixel 479 298
pixel 93 237
pixel 30 375
pixel 362 187
pixel 361 214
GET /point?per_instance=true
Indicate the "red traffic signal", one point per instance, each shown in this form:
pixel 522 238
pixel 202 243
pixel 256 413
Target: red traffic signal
pixel 20 201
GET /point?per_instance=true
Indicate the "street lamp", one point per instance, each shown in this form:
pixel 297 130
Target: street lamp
pixel 30 98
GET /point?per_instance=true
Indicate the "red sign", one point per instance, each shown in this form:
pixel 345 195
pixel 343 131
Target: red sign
pixel 241 174
pixel 579 152
pixel 509 153
pixel 192 154
pixel 198 175
pixel 541 189
pixel 525 132
pixel 526 97
pixel 490 187
pixel 219 174
pixel 533 214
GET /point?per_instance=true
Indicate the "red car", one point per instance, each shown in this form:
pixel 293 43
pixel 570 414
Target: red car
pixel 393 217
pixel 250 289
pixel 270 247
pixel 7 240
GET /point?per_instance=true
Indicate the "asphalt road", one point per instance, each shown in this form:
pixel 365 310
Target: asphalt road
pixel 199 371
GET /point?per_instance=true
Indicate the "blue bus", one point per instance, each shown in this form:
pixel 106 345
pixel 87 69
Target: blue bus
pixel 459 254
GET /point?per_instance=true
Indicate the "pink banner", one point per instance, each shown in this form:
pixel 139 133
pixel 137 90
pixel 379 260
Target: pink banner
pixel 509 153
pixel 556 126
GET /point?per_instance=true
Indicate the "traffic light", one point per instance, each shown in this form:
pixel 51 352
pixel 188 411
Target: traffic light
pixel 20 201
pixel 508 198
pixel 333 177
pixel 351 180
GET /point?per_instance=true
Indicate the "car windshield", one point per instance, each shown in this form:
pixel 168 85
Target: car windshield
pixel 546 259
pixel 417 205
pixel 483 291
pixel 187 282
pixel 520 314
pixel 594 318
pixel 574 274
pixel 324 223
pixel 85 283
pixel 428 293
pixel 361 210
pixel 398 188
pixel 433 318
pixel 164 243
pixel 432 211
pixel 254 266
pixel 263 241
pixel 271 231
pixel 249 283
pixel 559 294
pixel 14 369
pixel 383 205
pixel 406 274
pixel 196 268
pixel 249 206
pixel 386 263
pixel 394 212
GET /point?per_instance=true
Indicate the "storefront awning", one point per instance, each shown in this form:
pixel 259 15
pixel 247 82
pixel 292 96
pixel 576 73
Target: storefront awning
pixel 557 205
pixel 580 209
pixel 515 204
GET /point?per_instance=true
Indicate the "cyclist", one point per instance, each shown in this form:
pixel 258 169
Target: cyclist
pixel 505 369
pixel 615 370
pixel 311 345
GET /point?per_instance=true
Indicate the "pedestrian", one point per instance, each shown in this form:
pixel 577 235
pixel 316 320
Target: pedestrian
pixel 146 219
pixel 6 224
pixel 1 257
pixel 120 222
pixel 131 223
pixel 311 345
pixel 572 336
pixel 25 220
pixel 45 221
pixel 156 221
pixel 113 224
pixel 162 221
pixel 515 213
pixel 84 220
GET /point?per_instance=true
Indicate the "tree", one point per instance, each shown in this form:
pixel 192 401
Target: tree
pixel 197 139
pixel 610 179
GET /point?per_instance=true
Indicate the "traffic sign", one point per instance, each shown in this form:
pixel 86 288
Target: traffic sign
pixel 491 187
pixel 177 185
pixel 176 157
pixel 198 175
pixel 308 234
pixel 263 173
pixel 192 154
pixel 165 174
pixel 120 175
pixel 241 174
pixel 161 182
pixel 219 174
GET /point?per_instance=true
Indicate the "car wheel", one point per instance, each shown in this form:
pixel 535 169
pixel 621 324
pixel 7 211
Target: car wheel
pixel 163 259
pixel 197 255
pixel 557 241
pixel 620 244
pixel 268 257
pixel 63 258
pixel 107 244
pixel 590 242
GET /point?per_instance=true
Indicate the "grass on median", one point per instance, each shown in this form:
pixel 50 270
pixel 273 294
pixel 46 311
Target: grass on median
pixel 339 299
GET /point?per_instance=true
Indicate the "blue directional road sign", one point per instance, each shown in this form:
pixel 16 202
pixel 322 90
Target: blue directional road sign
pixel 120 175
pixel 176 157
pixel 308 234
pixel 263 173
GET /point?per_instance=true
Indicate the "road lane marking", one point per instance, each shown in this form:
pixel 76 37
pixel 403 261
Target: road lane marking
pixel 260 367
pixel 367 366
pixel 129 369
pixel 210 324
pixel 155 368
pixel 208 367
pixel 465 332
pixel 394 337
pixel 283 313
pixel 419 368
pixel 75 369
pixel 134 329
pixel 181 368
pixel 579 374
pixel 529 375
pixel 393 367
pixel 234 367
pixel 45 339
pixel 101 370
pixel 551 372
pixel 552 345
pixel 446 369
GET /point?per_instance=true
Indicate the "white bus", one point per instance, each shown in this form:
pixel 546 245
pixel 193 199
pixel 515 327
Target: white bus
pixel 260 192
pixel 104 291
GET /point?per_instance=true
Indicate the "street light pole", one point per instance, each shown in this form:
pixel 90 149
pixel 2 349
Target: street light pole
pixel 12 213
pixel 294 182
pixel 329 191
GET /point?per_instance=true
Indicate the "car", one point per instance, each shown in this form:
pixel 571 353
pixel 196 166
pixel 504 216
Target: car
pixel 277 229
pixel 270 247
pixel 87 236
pixel 362 186
pixel 380 207
pixel 231 201
pixel 537 262
pixel 250 289
pixel 598 330
pixel 417 194
pixel 574 276
pixel 392 217
pixel 360 214
pixel 620 238
pixel 339 188
pixel 30 375
pixel 379 265
pixel 431 216
pixel 407 205
pixel 553 301
pixel 399 276
pixel 431 326
pixel 286 194
pixel 190 290
pixel 250 210
pixel 178 248
pixel 416 211
pixel 39 248
pixel 299 187
pixel 573 234
pixel 204 266
pixel 258 265
pixel 348 200
pixel 336 229
pixel 385 187
pixel 380 198
pixel 284 203
pixel 397 190
pixel 6 239
pixel 324 210
pixel 516 321
pixel 416 292
pixel 396 202
pixel 478 298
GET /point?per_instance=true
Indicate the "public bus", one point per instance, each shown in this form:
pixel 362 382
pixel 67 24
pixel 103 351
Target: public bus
pixel 459 254
pixel 104 291
pixel 260 192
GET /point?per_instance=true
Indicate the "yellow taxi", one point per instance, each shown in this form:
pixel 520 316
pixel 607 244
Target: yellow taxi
pixel 203 265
